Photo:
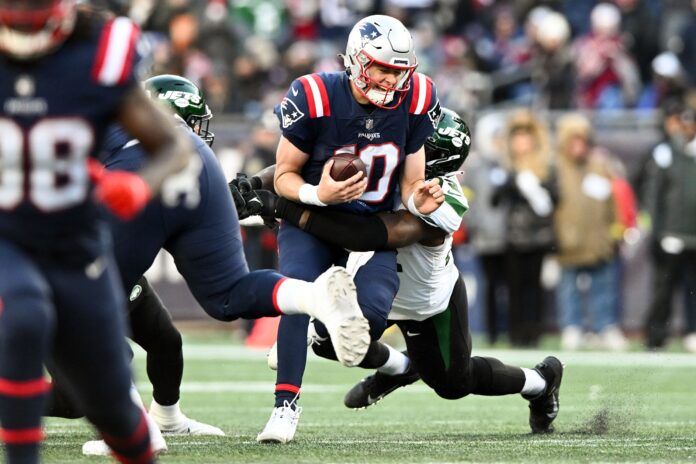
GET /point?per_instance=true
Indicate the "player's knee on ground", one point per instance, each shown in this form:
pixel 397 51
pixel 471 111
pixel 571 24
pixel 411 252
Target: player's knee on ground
pixel 453 383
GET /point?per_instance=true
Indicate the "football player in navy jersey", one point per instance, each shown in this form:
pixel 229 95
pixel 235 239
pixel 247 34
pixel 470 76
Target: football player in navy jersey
pixel 206 244
pixel 381 111
pixel 64 76
pixel 431 306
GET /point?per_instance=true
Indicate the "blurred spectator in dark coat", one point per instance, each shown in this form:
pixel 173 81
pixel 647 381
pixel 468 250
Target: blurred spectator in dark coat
pixel 503 53
pixel 639 30
pixel 526 189
pixel 670 198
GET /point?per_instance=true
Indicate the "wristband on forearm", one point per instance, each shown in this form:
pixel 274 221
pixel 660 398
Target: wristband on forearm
pixel 309 195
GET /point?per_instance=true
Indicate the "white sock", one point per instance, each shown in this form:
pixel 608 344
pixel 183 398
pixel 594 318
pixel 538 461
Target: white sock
pixel 396 364
pixel 166 414
pixel 292 296
pixel 534 383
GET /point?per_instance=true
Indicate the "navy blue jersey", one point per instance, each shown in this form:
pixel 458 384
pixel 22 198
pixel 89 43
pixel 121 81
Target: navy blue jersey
pixel 54 111
pixel 320 116
pixel 209 230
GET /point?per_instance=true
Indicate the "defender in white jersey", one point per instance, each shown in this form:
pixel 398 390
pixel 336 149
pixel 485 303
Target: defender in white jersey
pixel 430 307
pixel 427 274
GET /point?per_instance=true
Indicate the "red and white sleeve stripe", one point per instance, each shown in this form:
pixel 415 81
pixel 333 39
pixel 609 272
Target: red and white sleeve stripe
pixel 421 95
pixel 317 96
pixel 115 52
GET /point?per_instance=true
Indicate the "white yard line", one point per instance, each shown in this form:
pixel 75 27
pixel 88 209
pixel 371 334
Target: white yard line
pixel 223 352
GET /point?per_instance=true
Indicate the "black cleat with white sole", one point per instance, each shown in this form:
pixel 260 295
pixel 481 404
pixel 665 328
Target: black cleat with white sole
pixel 373 388
pixel 543 408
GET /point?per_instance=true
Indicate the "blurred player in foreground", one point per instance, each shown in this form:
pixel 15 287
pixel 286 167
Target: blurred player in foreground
pixel 64 76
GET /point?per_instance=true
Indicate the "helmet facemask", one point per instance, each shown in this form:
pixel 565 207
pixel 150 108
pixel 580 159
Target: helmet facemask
pixel 200 126
pixel 379 94
pixel 31 29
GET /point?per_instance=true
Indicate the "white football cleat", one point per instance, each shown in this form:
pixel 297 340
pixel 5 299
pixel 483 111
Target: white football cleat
pixel 172 421
pixel 282 425
pixel 100 448
pixel 96 448
pixel 189 427
pixel 335 303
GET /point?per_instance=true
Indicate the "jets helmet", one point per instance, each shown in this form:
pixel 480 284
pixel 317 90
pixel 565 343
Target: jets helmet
pixel 187 101
pixel 32 28
pixel 448 147
pixel 383 41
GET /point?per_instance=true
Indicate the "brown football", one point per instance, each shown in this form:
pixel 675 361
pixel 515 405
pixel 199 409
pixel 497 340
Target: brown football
pixel 346 166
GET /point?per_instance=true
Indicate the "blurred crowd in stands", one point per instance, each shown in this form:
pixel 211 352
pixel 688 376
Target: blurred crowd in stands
pixel 546 198
pixel 554 54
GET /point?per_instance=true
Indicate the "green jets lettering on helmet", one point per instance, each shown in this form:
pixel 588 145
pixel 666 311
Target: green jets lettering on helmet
pixel 448 147
pixel 185 99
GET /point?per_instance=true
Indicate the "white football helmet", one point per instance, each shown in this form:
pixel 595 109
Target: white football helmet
pixel 32 28
pixel 384 41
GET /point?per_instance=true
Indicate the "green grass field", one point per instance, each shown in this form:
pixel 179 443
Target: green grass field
pixel 614 407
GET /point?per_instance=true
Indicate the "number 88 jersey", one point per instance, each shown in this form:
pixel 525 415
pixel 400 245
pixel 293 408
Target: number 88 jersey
pixel 53 113
pixel 320 116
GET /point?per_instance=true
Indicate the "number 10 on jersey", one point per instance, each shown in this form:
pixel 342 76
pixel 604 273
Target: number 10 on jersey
pixel 381 162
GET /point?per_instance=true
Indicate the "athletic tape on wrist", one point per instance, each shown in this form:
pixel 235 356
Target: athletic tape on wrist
pixel 309 195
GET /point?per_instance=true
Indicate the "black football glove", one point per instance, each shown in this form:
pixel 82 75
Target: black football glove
pixel 242 183
pixel 262 203
pixel 238 187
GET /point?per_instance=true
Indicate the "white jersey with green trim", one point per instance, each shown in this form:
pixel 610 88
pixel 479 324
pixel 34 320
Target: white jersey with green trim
pixel 427 274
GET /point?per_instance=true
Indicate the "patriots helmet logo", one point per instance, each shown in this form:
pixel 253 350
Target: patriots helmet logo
pixel 369 32
pixel 289 113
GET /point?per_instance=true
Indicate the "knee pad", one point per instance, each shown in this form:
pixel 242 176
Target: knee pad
pixel 453 384
pixel 451 392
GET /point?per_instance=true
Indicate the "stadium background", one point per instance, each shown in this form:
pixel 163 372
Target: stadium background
pixel 486 56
